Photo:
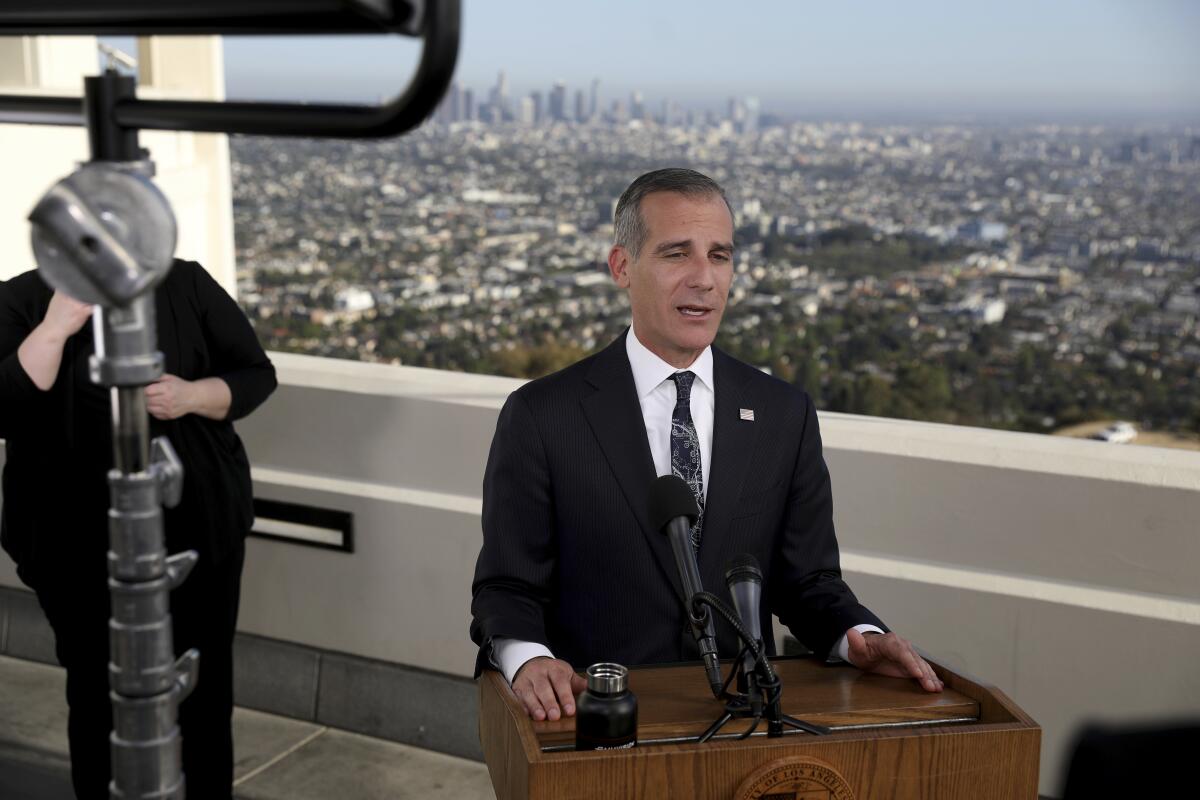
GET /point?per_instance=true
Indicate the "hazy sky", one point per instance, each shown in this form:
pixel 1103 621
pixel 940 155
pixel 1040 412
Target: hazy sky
pixel 868 56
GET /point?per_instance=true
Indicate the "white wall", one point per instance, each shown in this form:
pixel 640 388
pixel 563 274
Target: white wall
pixel 1066 572
pixel 193 169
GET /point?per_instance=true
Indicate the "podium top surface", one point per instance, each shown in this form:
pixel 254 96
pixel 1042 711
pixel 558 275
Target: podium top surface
pixel 889 739
pixel 675 706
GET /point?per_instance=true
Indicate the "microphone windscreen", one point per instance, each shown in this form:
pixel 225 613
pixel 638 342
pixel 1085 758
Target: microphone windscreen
pixel 742 567
pixel 671 497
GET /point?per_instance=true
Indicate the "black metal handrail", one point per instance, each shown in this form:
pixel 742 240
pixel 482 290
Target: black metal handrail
pixel 439 52
pixel 226 17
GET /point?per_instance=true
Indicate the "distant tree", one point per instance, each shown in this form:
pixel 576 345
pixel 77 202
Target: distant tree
pixel 923 392
pixel 1118 331
pixel 808 377
pixel 1027 367
pixel 873 396
pixel 839 393
pixel 534 361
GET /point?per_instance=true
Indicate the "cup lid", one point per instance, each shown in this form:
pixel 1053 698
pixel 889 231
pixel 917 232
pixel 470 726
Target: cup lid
pixel 607 678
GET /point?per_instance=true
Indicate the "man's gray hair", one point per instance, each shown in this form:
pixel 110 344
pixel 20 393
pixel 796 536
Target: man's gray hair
pixel 629 227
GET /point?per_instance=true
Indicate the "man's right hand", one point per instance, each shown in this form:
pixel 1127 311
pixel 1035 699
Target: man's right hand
pixel 547 687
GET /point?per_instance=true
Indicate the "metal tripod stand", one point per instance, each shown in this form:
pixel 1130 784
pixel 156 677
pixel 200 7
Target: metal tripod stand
pixel 759 689
pixel 758 695
pixel 106 235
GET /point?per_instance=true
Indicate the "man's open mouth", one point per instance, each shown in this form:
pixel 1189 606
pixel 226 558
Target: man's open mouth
pixel 694 311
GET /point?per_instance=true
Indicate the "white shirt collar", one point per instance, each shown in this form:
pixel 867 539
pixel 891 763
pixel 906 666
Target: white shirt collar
pixel 649 370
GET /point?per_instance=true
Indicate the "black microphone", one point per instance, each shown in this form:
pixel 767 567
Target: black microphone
pixel 744 579
pixel 673 510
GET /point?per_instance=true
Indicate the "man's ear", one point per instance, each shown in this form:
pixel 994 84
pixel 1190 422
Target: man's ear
pixel 618 265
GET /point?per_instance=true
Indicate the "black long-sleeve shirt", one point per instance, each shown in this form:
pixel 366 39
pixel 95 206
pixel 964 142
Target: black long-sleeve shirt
pixel 58 442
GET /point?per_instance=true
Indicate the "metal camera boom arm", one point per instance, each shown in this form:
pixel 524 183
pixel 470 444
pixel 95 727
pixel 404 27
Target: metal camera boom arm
pixel 436 22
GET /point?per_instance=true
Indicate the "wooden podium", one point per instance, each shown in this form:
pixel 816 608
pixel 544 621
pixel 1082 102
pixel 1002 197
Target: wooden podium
pixel 890 740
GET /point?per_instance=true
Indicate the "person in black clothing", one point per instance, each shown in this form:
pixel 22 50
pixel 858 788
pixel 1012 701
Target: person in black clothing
pixel 56 426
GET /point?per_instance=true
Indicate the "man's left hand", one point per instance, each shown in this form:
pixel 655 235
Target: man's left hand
pixel 889 654
pixel 169 397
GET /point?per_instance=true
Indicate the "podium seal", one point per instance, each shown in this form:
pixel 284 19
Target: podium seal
pixel 795 778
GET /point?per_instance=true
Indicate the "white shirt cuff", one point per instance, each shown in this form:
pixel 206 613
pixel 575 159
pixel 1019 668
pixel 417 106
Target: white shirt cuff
pixel 841 652
pixel 509 655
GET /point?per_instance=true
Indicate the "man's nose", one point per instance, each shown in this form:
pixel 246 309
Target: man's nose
pixel 702 274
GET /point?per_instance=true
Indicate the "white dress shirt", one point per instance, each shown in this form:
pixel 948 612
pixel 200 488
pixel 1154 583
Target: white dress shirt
pixel 656 393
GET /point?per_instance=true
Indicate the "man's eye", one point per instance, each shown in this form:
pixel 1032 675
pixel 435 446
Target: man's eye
pixel 676 255
pixel 722 257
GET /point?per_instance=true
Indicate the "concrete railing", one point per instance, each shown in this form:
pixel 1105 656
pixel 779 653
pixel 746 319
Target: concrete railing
pixel 1065 572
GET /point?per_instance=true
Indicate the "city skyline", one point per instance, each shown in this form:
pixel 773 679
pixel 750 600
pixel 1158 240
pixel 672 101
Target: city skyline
pixel 928 58
pixel 560 103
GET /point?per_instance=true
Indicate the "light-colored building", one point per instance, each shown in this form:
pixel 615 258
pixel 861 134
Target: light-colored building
pixel 193 168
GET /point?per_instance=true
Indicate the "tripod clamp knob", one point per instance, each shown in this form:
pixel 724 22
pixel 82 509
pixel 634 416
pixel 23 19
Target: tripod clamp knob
pixel 167 470
pixel 104 234
pixel 187 670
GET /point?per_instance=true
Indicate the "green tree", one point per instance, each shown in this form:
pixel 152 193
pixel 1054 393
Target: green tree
pixel 873 396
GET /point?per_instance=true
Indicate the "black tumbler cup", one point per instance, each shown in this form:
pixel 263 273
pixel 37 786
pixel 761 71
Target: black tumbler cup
pixel 606 718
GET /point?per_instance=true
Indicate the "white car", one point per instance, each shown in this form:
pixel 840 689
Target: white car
pixel 1118 433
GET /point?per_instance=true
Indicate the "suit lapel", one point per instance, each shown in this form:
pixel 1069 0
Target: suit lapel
pixel 733 444
pixel 615 416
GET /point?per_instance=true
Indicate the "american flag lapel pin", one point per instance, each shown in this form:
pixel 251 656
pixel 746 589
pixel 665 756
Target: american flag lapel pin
pixel 746 414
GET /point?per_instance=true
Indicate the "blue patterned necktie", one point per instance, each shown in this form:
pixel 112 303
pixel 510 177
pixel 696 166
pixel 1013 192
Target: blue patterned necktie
pixel 685 446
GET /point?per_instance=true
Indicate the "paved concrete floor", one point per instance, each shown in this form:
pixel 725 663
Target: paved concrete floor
pixel 276 757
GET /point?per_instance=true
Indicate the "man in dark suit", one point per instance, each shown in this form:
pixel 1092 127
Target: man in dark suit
pixel 571 572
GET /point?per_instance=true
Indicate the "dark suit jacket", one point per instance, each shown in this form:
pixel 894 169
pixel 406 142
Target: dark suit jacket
pixel 569 559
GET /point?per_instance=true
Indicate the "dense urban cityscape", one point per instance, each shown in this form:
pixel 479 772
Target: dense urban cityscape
pixel 1027 277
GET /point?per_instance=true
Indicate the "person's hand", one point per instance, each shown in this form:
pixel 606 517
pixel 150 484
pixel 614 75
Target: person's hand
pixel 40 354
pixel 65 316
pixel 889 654
pixel 544 684
pixel 169 397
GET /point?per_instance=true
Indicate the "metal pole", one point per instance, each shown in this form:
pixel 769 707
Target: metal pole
pixel 131 430
pixel 105 235
pixel 147 682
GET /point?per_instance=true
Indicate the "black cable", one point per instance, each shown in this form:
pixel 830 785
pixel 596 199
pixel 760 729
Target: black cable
pixel 733 672
pixel 751 729
pixel 714 602
pixel 772 686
